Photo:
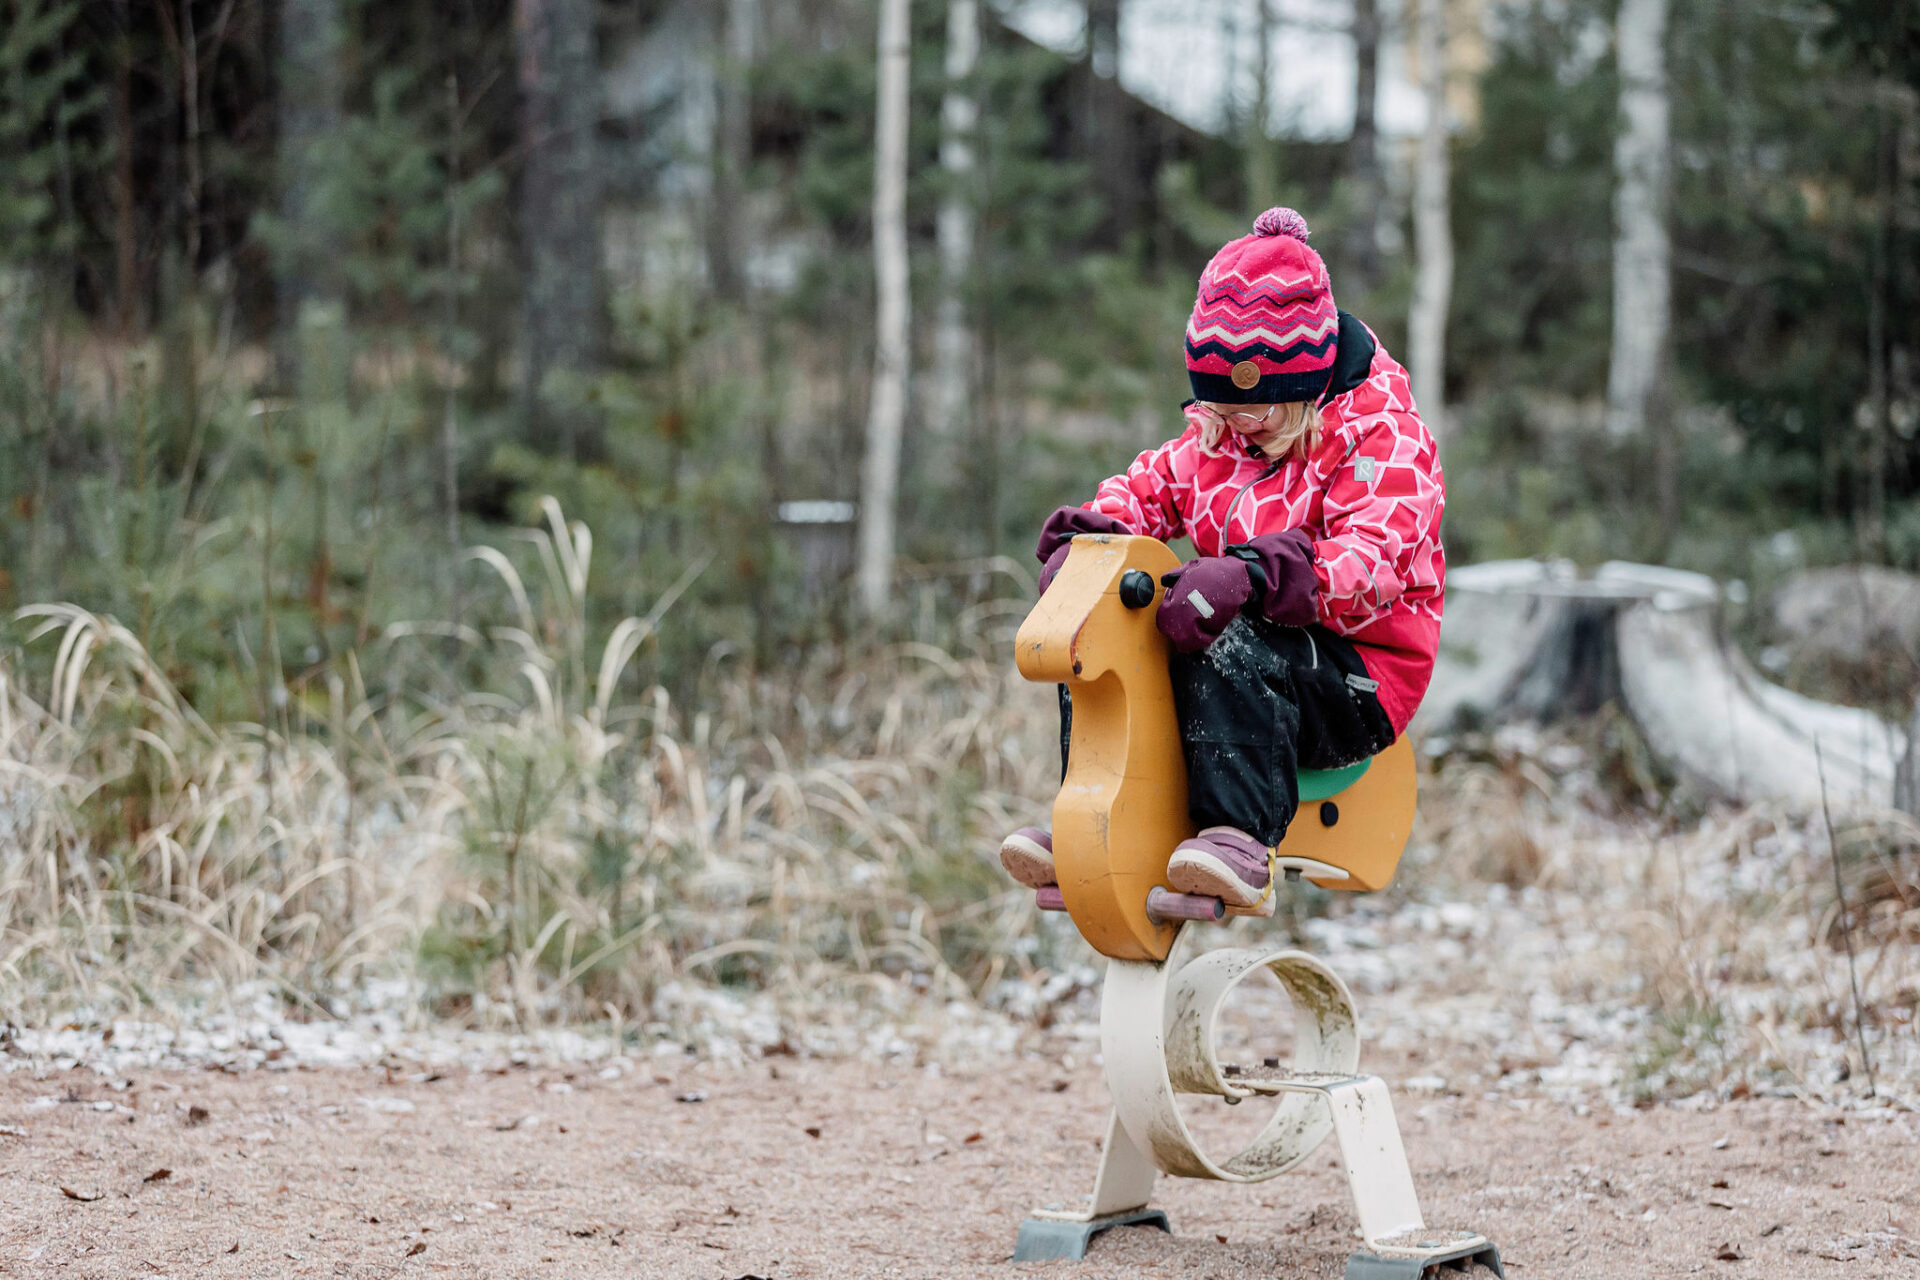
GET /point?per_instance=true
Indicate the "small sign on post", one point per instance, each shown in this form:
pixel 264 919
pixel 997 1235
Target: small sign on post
pixel 820 531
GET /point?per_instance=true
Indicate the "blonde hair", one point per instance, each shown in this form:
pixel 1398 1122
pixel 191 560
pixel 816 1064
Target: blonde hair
pixel 1295 425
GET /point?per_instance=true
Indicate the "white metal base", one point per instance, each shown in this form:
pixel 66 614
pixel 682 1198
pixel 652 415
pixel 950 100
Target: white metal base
pixel 1156 1038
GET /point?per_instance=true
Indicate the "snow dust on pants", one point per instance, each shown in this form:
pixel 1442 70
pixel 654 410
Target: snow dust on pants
pixel 1256 706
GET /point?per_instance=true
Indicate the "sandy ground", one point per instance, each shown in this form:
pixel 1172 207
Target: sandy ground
pixel 792 1167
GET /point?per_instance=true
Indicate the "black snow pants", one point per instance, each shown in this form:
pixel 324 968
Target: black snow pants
pixel 1260 703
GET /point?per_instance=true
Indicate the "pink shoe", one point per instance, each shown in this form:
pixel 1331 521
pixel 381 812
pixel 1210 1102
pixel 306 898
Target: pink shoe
pixel 1224 863
pixel 1027 855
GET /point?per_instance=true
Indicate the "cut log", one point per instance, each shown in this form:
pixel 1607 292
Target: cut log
pixel 1497 615
pixel 1534 641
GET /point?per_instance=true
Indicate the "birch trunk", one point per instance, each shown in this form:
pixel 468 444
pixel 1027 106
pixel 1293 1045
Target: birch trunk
pixel 953 337
pixel 559 219
pixel 1432 229
pixel 1641 284
pixel 886 411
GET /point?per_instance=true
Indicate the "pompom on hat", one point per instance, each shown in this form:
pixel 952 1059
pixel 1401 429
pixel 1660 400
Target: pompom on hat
pixel 1264 329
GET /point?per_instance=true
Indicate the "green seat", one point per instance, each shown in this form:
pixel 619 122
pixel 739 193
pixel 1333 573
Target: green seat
pixel 1324 784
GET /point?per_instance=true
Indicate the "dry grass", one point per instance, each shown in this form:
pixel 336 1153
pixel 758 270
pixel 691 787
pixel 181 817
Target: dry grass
pixel 505 821
pixel 1721 929
pixel 547 853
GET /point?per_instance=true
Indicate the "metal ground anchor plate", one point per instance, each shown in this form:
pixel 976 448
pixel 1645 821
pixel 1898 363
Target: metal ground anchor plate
pixel 1371 1266
pixel 1045 1239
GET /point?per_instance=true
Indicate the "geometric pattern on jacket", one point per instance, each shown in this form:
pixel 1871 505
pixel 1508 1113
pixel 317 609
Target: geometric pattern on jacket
pixel 1371 498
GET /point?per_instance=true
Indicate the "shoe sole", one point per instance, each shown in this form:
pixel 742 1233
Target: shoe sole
pixel 1028 862
pixel 1198 872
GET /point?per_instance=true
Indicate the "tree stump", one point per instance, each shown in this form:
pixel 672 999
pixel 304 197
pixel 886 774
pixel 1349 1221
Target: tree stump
pixel 1532 640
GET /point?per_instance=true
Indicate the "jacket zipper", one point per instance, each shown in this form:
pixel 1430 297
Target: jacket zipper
pixel 1226 526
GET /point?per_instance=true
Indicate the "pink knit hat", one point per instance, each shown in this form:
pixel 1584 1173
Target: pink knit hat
pixel 1264 329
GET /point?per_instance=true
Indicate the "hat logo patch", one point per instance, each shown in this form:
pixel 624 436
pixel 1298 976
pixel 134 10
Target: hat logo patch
pixel 1244 375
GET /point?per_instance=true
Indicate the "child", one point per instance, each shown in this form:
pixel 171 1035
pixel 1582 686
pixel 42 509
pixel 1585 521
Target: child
pixel 1304 633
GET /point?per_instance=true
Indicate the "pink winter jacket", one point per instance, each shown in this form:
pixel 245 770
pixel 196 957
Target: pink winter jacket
pixel 1371 498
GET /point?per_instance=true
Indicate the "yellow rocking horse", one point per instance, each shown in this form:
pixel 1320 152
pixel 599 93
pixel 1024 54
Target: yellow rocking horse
pixel 1121 810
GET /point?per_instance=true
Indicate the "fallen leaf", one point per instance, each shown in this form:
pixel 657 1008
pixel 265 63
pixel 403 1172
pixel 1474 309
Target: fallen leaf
pixel 1729 1254
pixel 813 1131
pixel 85 1197
pixel 1061 1086
pixel 1221 1239
pixel 970 1139
pixel 198 1115
pixel 692 1095
pixel 158 1175
pixel 419 1246
pixel 1718 1204
pixel 234 1247
pixel 12 1131
pixel 1720 1184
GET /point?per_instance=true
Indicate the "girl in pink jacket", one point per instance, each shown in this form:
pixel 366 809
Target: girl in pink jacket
pixel 1304 632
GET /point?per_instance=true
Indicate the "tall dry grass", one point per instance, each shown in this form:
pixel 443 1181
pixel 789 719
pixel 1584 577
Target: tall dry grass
pixel 551 844
pixel 1717 931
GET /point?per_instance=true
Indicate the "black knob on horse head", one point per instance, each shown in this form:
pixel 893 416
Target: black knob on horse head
pixel 1136 588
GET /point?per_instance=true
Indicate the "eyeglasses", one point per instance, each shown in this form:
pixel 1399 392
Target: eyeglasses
pixel 1244 423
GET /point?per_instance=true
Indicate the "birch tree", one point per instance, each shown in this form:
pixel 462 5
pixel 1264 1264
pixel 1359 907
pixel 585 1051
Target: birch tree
pixel 1642 290
pixel 1432 228
pixel 953 337
pixel 560 187
pixel 886 411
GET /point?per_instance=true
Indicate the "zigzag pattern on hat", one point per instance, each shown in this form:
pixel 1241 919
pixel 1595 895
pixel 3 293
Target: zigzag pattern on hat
pixel 1318 332
pixel 1218 272
pixel 1197 351
pixel 1247 294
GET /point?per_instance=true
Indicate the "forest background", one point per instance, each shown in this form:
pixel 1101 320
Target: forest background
pixel 541 488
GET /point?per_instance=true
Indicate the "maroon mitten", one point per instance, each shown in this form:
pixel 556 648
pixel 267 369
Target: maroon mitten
pixel 1057 535
pixel 1202 597
pixel 1283 576
pixel 1052 566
